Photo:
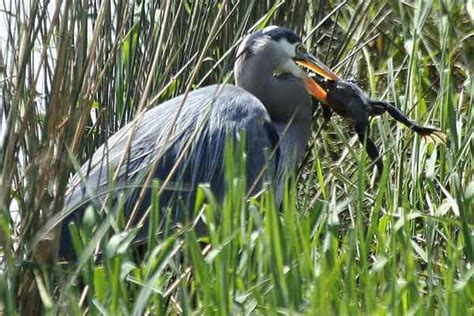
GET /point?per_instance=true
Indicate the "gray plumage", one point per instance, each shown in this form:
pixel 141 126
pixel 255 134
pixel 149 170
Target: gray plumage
pixel 284 95
pixel 270 102
pixel 214 112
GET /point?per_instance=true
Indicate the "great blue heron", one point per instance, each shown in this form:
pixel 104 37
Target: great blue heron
pixel 271 101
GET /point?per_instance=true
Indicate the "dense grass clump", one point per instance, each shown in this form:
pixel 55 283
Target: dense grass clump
pixel 74 72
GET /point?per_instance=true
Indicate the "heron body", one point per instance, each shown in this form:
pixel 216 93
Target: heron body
pixel 213 113
pixel 271 101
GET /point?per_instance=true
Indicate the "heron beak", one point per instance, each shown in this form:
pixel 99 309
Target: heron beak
pixel 315 89
pixel 309 61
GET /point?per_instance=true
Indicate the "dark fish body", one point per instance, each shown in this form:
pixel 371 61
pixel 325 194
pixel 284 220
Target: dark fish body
pixel 349 101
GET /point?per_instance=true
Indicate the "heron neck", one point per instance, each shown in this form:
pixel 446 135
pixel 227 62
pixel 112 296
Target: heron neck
pixel 293 140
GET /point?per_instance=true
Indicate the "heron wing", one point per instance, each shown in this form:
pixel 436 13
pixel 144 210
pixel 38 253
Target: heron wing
pixel 187 150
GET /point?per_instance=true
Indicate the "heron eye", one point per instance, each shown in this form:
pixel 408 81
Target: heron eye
pixel 300 49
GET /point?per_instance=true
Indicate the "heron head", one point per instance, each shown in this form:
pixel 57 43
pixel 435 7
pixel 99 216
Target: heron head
pixel 276 52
